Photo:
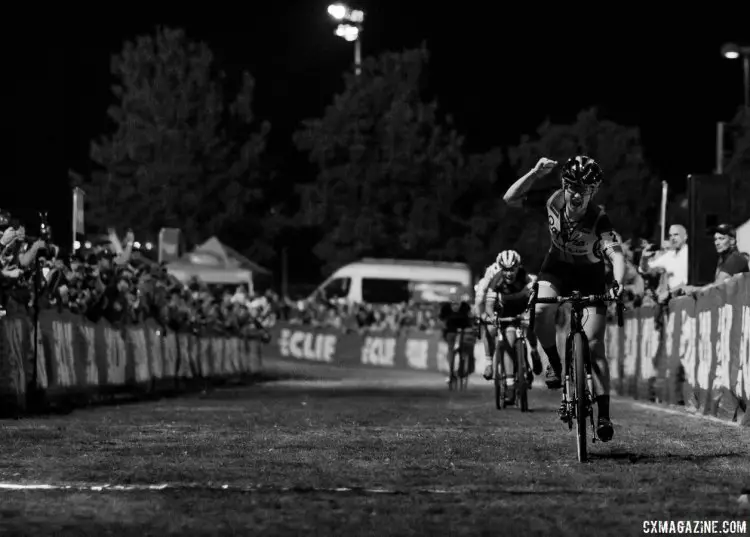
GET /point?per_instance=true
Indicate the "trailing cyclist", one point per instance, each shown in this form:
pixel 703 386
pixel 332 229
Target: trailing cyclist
pixel 504 291
pixel 455 315
pixel 582 235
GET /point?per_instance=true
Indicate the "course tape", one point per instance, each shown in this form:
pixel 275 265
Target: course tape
pixel 677 411
pixel 218 487
pixel 249 489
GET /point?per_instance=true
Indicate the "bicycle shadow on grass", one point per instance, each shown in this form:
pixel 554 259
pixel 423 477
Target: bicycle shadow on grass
pixel 635 457
pixel 539 409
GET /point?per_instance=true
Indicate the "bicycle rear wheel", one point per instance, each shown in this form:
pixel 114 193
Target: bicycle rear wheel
pixel 521 372
pixel 578 356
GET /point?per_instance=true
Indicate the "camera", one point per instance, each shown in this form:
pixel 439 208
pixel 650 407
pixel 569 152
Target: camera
pixel 45 232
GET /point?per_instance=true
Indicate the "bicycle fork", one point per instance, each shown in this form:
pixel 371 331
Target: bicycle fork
pixel 567 410
pixel 511 351
pixel 567 405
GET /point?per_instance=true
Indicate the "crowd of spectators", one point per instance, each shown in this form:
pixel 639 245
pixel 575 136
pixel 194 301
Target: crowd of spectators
pixel 115 281
pixel 360 318
pixel 653 277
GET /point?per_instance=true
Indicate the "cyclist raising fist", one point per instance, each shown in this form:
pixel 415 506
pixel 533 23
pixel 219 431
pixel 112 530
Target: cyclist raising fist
pixel 581 234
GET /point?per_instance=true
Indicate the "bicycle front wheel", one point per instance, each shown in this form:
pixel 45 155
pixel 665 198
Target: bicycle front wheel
pixel 521 372
pixel 463 370
pixel 453 378
pixel 497 378
pixel 578 356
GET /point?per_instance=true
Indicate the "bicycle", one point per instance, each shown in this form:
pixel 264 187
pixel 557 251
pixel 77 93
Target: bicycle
pixel 462 379
pixel 578 384
pixel 521 363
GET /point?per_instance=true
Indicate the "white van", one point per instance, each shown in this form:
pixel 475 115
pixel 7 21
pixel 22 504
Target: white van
pixel 392 281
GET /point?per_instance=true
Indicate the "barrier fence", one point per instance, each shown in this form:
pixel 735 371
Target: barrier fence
pixel 78 357
pixel 407 349
pixel 695 351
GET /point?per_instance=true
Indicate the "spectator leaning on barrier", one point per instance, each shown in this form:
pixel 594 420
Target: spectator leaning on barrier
pixel 730 261
pixel 672 260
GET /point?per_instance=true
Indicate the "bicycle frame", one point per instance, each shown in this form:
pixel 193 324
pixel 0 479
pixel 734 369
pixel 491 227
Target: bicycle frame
pixel 517 323
pixel 570 396
pixel 518 327
pixel 578 384
pixel 498 359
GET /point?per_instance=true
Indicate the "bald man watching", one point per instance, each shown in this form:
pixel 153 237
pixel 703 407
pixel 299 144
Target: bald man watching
pixel 673 260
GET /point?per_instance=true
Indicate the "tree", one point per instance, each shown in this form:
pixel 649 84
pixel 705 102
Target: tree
pixel 478 214
pixel 182 154
pixel 390 171
pixel 630 192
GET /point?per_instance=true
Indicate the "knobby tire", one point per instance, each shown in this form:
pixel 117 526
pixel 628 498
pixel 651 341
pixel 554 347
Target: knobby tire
pixel 580 396
pixel 521 382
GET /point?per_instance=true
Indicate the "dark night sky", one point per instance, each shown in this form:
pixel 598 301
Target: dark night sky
pixel 499 72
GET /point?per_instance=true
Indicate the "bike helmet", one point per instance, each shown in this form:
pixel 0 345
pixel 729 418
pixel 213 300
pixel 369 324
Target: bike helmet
pixel 582 171
pixel 508 259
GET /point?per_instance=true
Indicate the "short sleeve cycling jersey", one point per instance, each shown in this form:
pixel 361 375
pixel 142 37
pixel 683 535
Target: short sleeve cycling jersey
pixel 582 243
pixel 513 292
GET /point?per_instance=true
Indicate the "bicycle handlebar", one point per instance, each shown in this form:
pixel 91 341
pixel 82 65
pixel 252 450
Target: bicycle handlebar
pixel 575 298
pixel 586 300
pixel 497 320
pixel 514 319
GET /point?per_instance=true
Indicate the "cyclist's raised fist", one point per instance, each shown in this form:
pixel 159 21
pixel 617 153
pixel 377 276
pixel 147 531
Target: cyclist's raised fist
pixel 544 166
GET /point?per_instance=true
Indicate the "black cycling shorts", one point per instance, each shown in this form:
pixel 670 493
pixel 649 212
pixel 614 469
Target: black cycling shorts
pixel 513 309
pixel 566 277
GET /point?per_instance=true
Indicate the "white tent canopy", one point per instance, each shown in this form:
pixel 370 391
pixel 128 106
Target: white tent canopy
pixel 215 263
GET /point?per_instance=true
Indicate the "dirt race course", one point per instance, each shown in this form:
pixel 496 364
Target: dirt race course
pixel 361 453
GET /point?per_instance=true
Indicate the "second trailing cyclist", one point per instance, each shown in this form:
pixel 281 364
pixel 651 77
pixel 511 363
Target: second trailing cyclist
pixel 504 291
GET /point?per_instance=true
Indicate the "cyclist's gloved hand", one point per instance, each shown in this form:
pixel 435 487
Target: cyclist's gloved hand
pixel 616 290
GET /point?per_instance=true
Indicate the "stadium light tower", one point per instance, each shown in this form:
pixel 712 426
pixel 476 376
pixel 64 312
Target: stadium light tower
pixel 733 51
pixel 349 29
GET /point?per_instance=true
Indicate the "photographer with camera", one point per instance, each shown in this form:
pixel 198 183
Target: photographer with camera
pixel 114 281
pixel 18 256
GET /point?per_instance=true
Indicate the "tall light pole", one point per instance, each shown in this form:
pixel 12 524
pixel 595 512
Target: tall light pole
pixel 350 29
pixel 732 51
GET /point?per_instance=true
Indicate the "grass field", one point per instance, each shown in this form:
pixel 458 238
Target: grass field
pixel 361 453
